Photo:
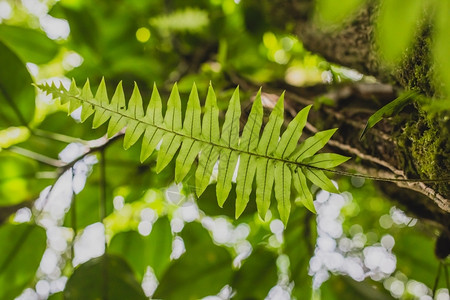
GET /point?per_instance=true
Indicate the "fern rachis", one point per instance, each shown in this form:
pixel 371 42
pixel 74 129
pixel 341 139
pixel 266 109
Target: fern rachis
pixel 275 161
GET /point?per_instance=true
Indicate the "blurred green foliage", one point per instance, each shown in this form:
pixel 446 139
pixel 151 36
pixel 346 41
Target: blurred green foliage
pixel 225 42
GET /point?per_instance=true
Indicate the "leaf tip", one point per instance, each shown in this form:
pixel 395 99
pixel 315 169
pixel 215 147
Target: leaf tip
pixel 364 131
pixel 221 197
pixel 199 190
pixel 142 158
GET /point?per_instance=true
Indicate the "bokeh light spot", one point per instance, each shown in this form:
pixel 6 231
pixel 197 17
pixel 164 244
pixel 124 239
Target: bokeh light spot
pixel 143 34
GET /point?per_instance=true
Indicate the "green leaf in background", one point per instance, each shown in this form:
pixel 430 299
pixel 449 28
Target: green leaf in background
pixel 396 31
pixel 415 256
pixel 257 275
pixel 142 251
pixel 16 92
pixel 29 44
pixel 189 19
pixel 334 12
pixel 86 206
pixel 84 29
pixel 18 181
pixel 389 110
pixel 22 247
pixel 105 277
pixel 203 270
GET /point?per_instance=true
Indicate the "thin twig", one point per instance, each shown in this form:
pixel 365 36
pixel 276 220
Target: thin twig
pixel 102 211
pixel 446 276
pixel 73 214
pixel 436 280
pixel 36 156
pixel 102 204
pixel 57 136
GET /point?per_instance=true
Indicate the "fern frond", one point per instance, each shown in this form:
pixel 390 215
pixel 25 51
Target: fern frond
pixel 277 163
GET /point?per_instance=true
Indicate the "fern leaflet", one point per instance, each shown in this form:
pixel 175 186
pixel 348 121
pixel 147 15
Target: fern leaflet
pixel 275 162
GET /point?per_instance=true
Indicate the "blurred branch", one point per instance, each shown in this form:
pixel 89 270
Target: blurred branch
pixel 36 156
pixel 57 136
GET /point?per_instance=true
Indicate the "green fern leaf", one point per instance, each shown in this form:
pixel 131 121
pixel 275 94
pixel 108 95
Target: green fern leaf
pixel 264 184
pixel 283 179
pixel 153 116
pixel 305 195
pixel 210 133
pixel 313 144
pixel 102 114
pixel 319 178
pixel 265 167
pixel 172 121
pixel 290 137
pixel 135 112
pixel 229 138
pixel 276 162
pixel 192 128
pixel 247 163
pixel 87 109
pixel 325 160
pixel 118 120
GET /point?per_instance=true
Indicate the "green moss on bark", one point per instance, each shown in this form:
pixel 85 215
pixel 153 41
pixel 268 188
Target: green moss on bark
pixel 417 72
pixel 425 147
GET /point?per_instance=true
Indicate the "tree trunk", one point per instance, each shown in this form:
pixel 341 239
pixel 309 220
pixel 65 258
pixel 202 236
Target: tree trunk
pixel 352 43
